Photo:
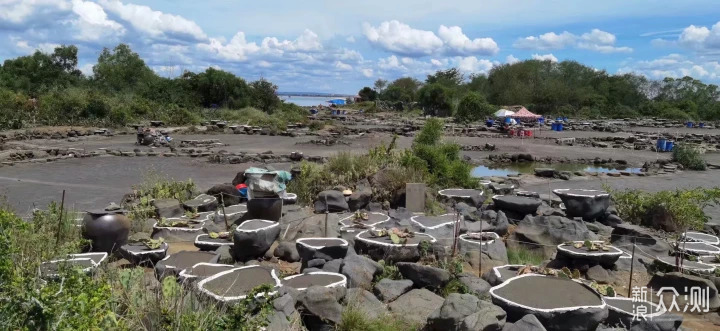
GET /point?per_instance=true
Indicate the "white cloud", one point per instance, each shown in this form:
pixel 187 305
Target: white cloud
pixel 436 62
pixel 595 40
pixel 701 37
pixel 472 65
pixel 400 38
pixel 676 66
pixel 18 11
pixel 510 59
pixel 544 57
pixel 350 39
pixel 458 43
pixel 367 72
pixel 93 23
pixel 342 66
pixel 155 23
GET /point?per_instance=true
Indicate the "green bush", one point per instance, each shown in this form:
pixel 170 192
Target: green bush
pixel 355 319
pixel 689 157
pixel 473 107
pixel 523 256
pixel 685 206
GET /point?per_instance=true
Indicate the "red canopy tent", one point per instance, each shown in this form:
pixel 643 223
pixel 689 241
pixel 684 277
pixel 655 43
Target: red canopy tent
pixel 524 114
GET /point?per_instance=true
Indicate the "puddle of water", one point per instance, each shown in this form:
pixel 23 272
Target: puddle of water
pixel 529 168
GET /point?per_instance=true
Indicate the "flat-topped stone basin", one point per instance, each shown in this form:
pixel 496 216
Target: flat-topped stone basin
pixel 698 248
pixel 173 234
pixel 205 243
pixel 235 284
pixel 321 248
pixel 693 236
pixel 253 238
pixel 373 219
pixel 301 282
pixel 87 262
pixel 588 204
pixel 500 274
pixel 138 253
pixel 265 208
pixel 460 194
pixel 289 199
pixel 202 270
pixel 697 267
pixel 434 222
pixel 622 310
pixel 233 210
pixel 709 260
pixel 173 264
pixel 349 233
pixel 604 258
pixel 558 303
pixel 517 204
pixel 382 248
pixel 202 203
pixel 489 242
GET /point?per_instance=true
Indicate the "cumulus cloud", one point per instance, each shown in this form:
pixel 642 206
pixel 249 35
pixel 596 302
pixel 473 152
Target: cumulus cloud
pixel 92 22
pixel 674 65
pixel 20 11
pixel 342 66
pixel 595 40
pixel 544 57
pixel 402 39
pixel 510 59
pixel 473 65
pixel 701 37
pixel 154 23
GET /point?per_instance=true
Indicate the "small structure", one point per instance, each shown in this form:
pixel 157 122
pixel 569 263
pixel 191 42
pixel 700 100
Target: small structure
pixel 202 270
pixel 522 114
pixel 504 113
pixel 235 284
pixel 336 102
pixel 383 248
pixel 301 282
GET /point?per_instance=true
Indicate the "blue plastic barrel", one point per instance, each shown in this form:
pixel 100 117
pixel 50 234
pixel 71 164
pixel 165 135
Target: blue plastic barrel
pixel 701 125
pixel 553 126
pixel 689 124
pixel 564 119
pixel 669 145
pixel 541 120
pixel 508 120
pixel 560 126
pixel 661 144
pixel 490 123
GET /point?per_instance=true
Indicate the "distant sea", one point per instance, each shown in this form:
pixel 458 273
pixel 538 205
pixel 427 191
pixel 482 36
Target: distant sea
pixel 308 101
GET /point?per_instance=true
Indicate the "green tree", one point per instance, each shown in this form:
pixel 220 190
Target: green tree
pixel 473 107
pixel 436 99
pixel 402 89
pixel 449 78
pixel 380 85
pixel 122 69
pixel 219 88
pixel 263 95
pixel 367 94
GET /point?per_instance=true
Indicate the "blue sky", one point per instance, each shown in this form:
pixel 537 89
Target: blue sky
pixel 339 46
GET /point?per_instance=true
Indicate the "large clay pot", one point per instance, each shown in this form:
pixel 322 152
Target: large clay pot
pixel 265 208
pixel 107 230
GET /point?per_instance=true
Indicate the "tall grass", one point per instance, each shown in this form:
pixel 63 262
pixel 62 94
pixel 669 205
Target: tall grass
pixel 689 157
pixel 354 319
pixel 520 255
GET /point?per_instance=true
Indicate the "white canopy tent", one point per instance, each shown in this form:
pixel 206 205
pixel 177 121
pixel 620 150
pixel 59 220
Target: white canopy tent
pixel 504 113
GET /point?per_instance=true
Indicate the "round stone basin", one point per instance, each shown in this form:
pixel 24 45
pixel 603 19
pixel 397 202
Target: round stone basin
pixel 256 225
pixel 709 260
pixel 459 193
pixel 588 204
pixel 97 258
pixel 559 304
pixel 235 284
pixel 51 268
pixel 373 219
pixel 702 237
pixel 202 203
pixel 290 198
pixel 605 258
pixel 687 264
pixel 138 252
pixel 466 238
pixel 517 204
pixel 318 243
pixel 233 210
pixel 622 310
pixel 179 261
pixel 193 227
pixel 203 270
pixel 382 248
pixel 434 222
pixel 500 274
pixel 698 248
pixel 204 242
pixel 316 278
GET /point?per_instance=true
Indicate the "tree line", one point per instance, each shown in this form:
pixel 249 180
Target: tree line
pixel 566 88
pixel 49 89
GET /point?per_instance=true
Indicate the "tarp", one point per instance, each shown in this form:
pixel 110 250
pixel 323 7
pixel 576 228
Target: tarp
pixel 503 113
pixel 525 114
pixel 261 180
pixel 337 101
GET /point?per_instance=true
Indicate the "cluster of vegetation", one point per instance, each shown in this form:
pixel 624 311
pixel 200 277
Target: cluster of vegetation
pixel 429 161
pixel 689 157
pixel 521 255
pixel 566 88
pixel 683 206
pixel 49 89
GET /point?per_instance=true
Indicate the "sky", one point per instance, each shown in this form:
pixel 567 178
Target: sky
pixel 341 46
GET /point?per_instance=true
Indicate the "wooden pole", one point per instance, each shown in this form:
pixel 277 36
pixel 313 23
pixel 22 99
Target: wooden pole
pixel 480 256
pixel 327 214
pixel 632 264
pixel 222 205
pixel 60 219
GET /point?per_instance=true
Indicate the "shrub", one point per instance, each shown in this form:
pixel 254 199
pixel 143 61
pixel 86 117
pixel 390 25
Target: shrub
pixel 473 107
pixel 685 207
pixel 689 157
pixel 355 319
pixel 520 255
